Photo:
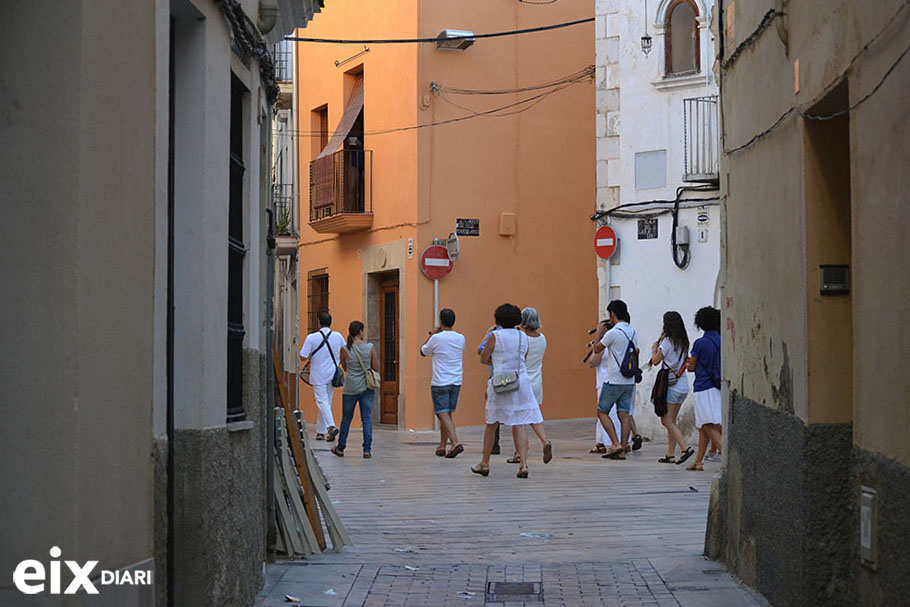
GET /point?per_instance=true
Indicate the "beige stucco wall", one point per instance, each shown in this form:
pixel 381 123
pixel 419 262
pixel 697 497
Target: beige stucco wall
pixel 880 131
pixel 774 248
pixel 78 201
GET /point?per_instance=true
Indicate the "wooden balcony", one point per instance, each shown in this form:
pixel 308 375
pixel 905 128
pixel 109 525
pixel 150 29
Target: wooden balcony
pixel 341 192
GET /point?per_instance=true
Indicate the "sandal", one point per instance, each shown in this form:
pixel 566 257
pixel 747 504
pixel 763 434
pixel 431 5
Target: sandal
pixel 337 451
pixel 514 459
pixel 522 473
pixel 617 455
pixel 685 455
pixel 636 442
pixel 669 459
pixel 455 451
pixel 441 451
pixel 481 470
pixel 696 467
pixel 599 448
pixel 611 451
pixel 547 452
pixel 332 433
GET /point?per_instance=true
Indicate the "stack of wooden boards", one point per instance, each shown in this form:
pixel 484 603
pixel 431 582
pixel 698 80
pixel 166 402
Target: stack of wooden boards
pixel 301 489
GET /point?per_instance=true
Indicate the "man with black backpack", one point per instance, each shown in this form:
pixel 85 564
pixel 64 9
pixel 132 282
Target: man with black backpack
pixel 320 353
pixel 620 347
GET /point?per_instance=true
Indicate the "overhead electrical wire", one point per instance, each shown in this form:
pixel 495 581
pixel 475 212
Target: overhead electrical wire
pixel 495 113
pixel 517 107
pixel 529 30
pixel 795 110
pixel 764 24
pixel 652 208
pixel 586 72
pixel 804 114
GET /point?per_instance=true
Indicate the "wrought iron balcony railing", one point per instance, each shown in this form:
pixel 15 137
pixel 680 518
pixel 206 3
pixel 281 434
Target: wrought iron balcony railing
pixel 702 139
pixel 283 62
pixel 285 215
pixel 341 185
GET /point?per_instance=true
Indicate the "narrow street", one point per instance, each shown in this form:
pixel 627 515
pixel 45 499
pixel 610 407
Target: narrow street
pixel 580 531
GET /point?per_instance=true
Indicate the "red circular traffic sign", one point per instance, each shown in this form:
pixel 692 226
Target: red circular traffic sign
pixel 605 242
pixel 435 262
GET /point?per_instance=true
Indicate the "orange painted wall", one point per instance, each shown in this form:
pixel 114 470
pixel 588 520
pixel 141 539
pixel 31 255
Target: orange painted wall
pixel 538 164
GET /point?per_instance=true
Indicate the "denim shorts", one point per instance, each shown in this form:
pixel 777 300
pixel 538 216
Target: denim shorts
pixel 445 398
pixel 676 397
pixel 620 394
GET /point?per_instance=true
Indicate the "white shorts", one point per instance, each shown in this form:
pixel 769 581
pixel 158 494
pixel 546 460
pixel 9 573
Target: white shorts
pixel 708 408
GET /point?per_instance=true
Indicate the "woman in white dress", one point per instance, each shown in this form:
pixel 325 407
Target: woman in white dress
pixel 506 350
pixel 537 347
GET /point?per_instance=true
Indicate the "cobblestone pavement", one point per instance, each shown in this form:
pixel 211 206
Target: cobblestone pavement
pixel 580 531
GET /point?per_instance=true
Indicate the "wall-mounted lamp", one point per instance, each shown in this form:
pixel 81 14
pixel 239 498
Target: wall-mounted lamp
pixel 340 62
pixel 646 39
pixel 454 40
pixel 646 44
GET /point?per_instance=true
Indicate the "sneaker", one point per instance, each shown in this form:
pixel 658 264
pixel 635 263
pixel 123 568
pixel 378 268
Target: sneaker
pixel 331 434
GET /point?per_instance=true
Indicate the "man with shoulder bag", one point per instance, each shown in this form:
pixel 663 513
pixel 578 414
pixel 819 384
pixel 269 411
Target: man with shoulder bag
pixel 620 346
pixel 320 354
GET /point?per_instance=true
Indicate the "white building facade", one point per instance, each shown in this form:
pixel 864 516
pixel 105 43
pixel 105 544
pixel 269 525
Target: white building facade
pixel 657 169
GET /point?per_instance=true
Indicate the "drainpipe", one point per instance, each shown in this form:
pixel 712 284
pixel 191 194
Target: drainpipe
pixel 271 530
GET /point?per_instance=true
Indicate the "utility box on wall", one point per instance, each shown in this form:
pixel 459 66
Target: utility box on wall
pixel 868 527
pixel 508 224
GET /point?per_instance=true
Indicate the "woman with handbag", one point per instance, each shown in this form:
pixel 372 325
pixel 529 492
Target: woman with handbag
pixel 670 351
pixel 361 381
pixel 510 397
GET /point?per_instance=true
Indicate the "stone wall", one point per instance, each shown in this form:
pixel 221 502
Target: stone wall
pixel 221 504
pixel 784 517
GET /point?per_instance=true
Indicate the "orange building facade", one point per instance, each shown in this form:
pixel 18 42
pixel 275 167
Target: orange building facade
pixel 388 173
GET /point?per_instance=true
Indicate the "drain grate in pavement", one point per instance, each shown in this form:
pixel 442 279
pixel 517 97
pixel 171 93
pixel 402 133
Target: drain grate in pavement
pixel 518 592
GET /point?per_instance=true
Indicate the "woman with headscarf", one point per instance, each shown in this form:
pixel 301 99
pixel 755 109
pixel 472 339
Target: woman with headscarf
pixel 537 347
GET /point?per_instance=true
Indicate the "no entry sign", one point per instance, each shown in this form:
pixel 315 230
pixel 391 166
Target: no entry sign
pixel 435 262
pixel 605 242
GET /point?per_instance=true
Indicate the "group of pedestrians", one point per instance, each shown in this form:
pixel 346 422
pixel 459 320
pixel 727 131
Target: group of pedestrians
pixel 614 353
pixel 514 349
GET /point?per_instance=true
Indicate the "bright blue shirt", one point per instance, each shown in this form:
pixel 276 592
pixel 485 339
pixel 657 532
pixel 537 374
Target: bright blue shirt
pixel 707 370
pixel 483 345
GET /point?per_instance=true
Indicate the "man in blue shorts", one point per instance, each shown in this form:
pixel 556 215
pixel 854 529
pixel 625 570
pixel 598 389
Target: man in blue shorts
pixel 617 390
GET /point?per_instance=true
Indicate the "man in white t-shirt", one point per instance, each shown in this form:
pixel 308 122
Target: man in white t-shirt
pixel 446 346
pixel 617 389
pixel 321 352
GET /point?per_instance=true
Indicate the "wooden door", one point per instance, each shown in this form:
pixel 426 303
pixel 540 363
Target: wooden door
pixel 388 352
